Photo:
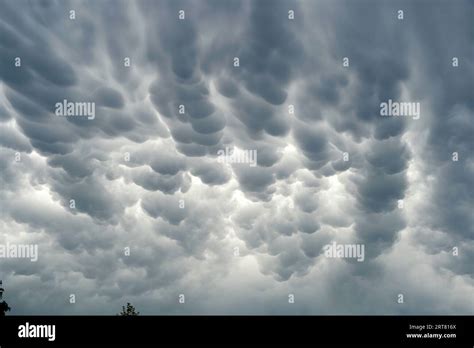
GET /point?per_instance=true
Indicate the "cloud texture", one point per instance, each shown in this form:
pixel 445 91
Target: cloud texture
pixel 144 174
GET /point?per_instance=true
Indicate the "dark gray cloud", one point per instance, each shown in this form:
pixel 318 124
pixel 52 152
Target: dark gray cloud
pixel 145 172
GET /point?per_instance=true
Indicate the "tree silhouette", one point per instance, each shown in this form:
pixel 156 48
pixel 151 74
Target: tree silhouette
pixel 129 310
pixel 3 305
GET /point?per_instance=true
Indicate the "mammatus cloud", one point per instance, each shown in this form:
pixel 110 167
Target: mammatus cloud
pixel 136 204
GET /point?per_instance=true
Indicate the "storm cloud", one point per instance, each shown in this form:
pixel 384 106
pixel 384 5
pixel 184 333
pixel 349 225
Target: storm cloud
pixel 139 205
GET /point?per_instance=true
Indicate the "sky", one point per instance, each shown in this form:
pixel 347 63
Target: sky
pixel 158 219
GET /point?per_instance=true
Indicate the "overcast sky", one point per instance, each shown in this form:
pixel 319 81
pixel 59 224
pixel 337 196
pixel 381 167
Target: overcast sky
pixel 235 238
